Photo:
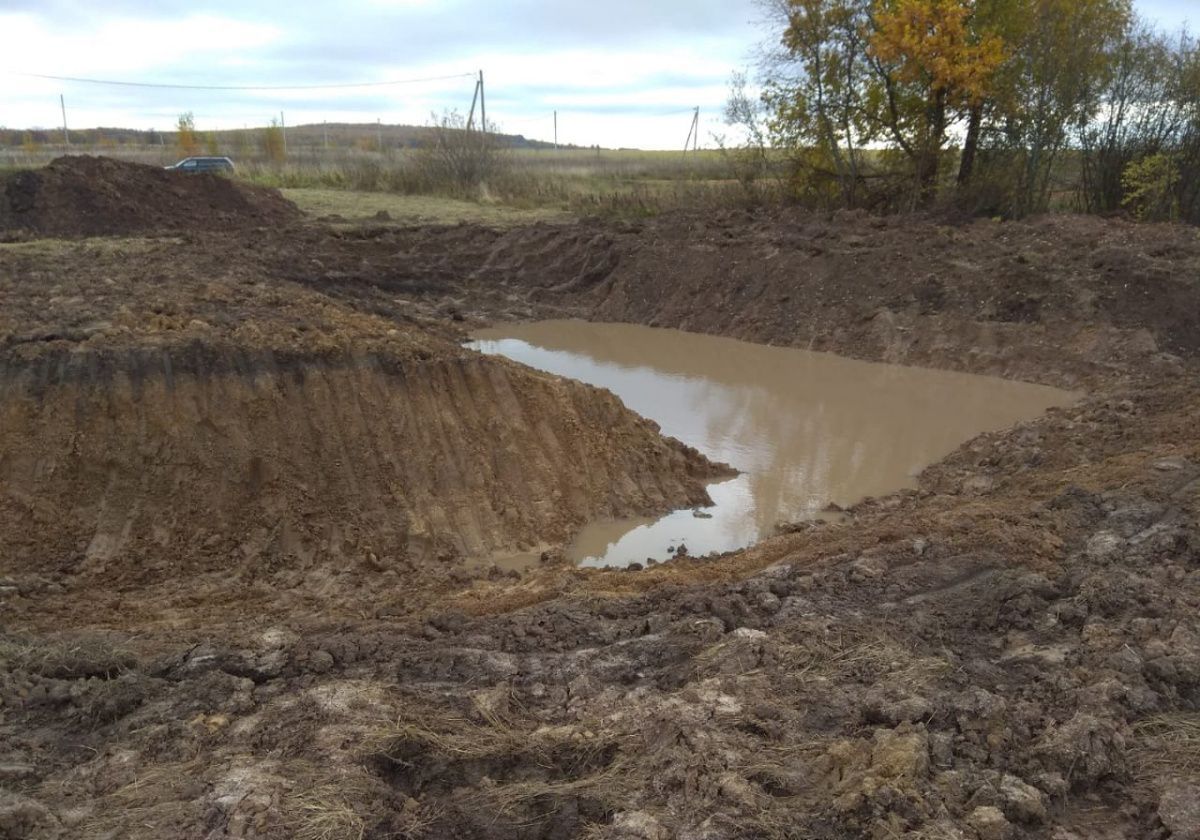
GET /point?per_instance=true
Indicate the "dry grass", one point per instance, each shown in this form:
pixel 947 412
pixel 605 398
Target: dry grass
pixel 1168 746
pixel 879 657
pixel 614 783
pixel 100 246
pixel 621 182
pixel 575 763
pixel 468 742
pixel 358 206
pixel 153 805
pixel 67 658
pixel 325 814
pixel 141 822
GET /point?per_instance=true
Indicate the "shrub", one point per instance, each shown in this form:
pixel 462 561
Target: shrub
pixel 1150 186
pixel 458 159
pixel 186 138
pixel 273 143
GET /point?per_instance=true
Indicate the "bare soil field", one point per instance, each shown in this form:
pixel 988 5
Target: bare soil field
pixel 247 474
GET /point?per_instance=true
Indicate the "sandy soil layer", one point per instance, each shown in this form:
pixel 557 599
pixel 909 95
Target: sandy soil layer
pixel 1010 651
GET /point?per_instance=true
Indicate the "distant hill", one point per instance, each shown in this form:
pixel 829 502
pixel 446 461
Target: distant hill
pixel 364 136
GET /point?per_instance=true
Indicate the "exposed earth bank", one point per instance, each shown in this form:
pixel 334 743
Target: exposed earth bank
pixel 1064 300
pixel 1011 651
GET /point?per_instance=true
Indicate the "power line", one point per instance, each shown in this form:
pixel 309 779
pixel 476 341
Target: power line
pixel 243 87
pixel 549 115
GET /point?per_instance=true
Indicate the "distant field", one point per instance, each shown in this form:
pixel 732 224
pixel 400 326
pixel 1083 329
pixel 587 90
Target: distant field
pixel 529 183
pixel 356 206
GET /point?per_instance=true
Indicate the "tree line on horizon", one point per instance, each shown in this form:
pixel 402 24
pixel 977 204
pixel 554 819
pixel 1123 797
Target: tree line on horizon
pixel 187 137
pixel 1000 107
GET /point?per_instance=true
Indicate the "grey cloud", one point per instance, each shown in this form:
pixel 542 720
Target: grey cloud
pixel 366 41
pixel 323 41
pixel 471 28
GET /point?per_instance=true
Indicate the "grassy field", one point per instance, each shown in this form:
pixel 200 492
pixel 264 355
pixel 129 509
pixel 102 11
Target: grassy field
pixel 524 184
pixel 625 182
pixel 356 206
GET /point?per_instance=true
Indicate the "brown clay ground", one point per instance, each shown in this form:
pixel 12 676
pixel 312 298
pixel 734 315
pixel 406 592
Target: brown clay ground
pixel 239 473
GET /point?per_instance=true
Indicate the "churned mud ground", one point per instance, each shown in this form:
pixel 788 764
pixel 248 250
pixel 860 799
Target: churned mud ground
pixel 247 474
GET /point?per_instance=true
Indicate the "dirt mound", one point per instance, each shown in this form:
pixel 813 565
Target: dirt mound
pixel 316 466
pixel 238 421
pixel 97 196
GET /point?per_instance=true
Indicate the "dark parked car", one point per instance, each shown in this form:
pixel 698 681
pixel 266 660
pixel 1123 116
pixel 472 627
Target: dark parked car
pixel 203 164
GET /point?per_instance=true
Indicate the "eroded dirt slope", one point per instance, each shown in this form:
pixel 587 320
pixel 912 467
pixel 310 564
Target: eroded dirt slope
pixel 1011 651
pixel 178 424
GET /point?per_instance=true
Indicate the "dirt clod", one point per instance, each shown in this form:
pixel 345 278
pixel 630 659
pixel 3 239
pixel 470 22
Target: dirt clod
pixel 989 823
pixel 1179 810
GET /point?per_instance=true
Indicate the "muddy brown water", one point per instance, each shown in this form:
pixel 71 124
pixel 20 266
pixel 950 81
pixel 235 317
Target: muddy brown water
pixel 808 431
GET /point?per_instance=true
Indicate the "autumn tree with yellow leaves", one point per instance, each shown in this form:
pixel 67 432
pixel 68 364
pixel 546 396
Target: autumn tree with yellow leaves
pixel 185 134
pixel 865 75
pixel 932 61
pixel 897 103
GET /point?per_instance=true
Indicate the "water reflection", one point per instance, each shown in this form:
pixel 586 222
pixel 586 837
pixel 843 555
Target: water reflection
pixel 805 429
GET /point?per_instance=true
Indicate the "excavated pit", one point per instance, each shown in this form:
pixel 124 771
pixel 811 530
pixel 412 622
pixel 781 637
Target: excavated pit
pixel 811 433
pixel 1010 649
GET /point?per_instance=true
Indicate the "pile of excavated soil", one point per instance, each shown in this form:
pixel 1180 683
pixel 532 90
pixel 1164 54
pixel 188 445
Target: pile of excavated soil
pixel 173 423
pixel 315 466
pixel 189 649
pixel 81 195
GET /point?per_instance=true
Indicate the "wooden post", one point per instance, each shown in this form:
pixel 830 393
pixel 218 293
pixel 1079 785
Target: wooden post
pixel 482 107
pixel 693 138
pixel 474 100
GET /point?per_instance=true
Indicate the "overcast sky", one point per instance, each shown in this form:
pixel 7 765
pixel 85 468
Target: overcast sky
pixel 619 72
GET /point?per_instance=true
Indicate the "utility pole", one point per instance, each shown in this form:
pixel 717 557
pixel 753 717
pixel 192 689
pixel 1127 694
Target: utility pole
pixel 483 108
pixel 483 105
pixel 283 129
pixel 556 131
pixel 379 132
pixel 325 133
pixel 693 138
pixel 474 102
pixel 66 135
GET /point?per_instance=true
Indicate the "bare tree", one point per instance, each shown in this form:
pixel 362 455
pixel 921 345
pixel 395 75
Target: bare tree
pixel 460 158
